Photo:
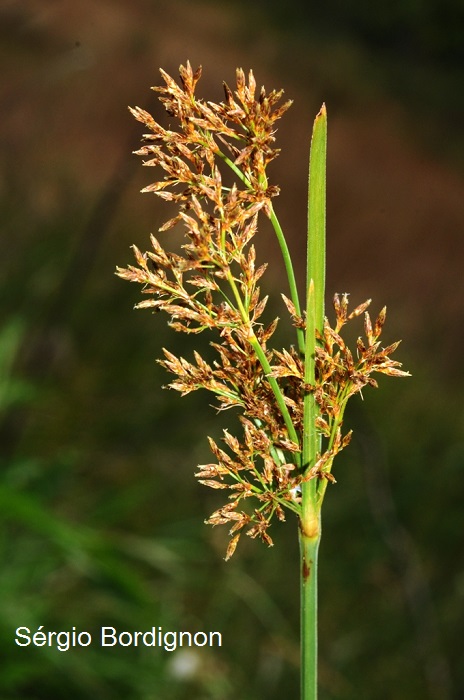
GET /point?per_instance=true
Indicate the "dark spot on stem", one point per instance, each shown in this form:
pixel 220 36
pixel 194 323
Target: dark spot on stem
pixel 306 571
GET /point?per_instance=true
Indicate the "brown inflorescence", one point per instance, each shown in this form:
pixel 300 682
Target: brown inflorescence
pixel 212 283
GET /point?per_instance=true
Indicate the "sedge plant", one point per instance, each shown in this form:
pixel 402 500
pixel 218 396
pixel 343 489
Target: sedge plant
pixel 291 402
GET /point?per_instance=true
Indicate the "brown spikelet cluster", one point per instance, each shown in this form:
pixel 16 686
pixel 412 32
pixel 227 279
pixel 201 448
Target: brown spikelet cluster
pixel 340 375
pixel 212 283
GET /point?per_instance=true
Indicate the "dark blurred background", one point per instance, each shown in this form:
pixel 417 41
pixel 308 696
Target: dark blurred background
pixel 102 521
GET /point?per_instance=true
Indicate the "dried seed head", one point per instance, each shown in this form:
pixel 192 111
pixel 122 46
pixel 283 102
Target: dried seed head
pixel 211 283
pixel 232 546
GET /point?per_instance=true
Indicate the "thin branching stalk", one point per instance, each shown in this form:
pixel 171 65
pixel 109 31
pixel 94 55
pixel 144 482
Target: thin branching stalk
pixel 264 362
pixel 290 275
pixel 286 256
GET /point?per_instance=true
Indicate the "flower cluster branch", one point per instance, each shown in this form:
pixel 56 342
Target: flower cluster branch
pixel 213 283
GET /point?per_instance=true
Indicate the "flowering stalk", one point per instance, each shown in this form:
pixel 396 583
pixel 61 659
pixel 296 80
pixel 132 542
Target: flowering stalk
pixel 291 402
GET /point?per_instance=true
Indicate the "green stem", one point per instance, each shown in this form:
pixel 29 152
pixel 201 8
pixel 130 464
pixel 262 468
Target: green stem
pixel 290 274
pixel 264 362
pixel 310 519
pixel 321 485
pixel 283 247
pixel 309 547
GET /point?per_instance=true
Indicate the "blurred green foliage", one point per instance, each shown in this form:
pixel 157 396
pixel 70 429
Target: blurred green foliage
pixel 102 525
pixel 102 521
